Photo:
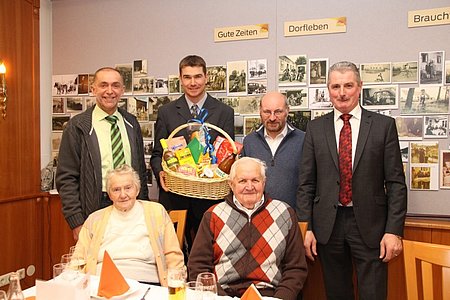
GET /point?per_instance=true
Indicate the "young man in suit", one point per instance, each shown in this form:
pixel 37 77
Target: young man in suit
pixel 193 78
pixel 352 191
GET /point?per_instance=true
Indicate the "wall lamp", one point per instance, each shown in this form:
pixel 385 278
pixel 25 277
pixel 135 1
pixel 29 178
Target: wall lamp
pixel 3 94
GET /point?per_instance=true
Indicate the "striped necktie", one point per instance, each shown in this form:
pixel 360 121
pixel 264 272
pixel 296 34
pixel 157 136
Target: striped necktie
pixel 116 142
pixel 194 111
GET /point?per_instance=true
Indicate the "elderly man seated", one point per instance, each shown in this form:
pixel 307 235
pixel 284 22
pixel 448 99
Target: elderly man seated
pixel 138 235
pixel 250 239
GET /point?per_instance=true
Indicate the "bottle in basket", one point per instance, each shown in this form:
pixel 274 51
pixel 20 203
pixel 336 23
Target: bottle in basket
pixel 168 156
pixel 225 165
pixel 15 291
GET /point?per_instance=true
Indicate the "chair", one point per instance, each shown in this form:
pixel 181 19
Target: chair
pixel 303 228
pixel 178 218
pixel 427 268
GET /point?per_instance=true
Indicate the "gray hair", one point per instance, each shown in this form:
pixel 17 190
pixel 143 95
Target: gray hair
pixel 123 170
pixel 343 66
pixel 244 160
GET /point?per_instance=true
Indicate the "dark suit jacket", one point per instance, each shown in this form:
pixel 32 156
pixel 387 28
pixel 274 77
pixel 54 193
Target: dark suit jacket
pixel 378 186
pixel 176 113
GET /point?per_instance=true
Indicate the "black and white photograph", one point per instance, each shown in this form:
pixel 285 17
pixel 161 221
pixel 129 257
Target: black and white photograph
pixel 131 105
pixel 404 72
pixel 379 97
pixel 409 127
pixel 74 104
pixel 59 122
pixel 375 73
pixel 318 71
pixel 174 84
pixel 257 87
pixel 148 147
pixel 299 119
pixel 89 102
pixel 318 98
pixel 126 70
pixel 149 172
pixel 237 78
pixel 140 68
pixel 251 124
pixel 143 85
pixel 317 113
pixel 404 150
pixel 83 84
pixel 231 101
pixel 296 98
pixel 217 78
pixel 58 106
pixel 292 70
pixel 447 72
pixel 238 125
pixel 425 100
pixel 147 129
pixel 123 103
pixel 435 126
pixel 445 169
pixel 431 65
pixel 154 104
pixel 56 140
pixel 161 86
pixel 249 105
pixel 257 69
pixel 141 108
pixel 64 85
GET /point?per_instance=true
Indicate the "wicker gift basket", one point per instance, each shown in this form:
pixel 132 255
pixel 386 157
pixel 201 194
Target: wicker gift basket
pixel 196 187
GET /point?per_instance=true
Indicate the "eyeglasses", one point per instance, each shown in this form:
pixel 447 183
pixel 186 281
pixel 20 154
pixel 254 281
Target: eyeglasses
pixel 277 113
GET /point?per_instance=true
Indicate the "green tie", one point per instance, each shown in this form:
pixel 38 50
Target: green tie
pixel 116 142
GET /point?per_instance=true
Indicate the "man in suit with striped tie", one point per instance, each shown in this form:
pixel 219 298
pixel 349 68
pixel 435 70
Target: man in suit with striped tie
pixel 94 142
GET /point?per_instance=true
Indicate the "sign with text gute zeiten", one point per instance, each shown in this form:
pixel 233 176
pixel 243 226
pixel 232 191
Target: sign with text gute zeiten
pixel 318 26
pixel 238 33
pixel 429 17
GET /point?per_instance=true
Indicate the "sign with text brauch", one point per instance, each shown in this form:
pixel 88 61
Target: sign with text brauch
pixel 428 17
pixel 238 33
pixel 318 26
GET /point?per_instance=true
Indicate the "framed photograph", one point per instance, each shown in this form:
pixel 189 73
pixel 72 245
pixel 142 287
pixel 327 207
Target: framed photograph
pixel 238 125
pixel 404 150
pixel 64 85
pixel 249 105
pixel 445 169
pixel 318 71
pixel 123 103
pixel 257 69
pixel 174 84
pixel 379 97
pixel 292 70
pixel 297 98
pixel 217 78
pixel 431 66
pixel 424 100
pixel 409 127
pixel 424 152
pixel 140 68
pixel 148 147
pixel 231 101
pixel 83 84
pixel 317 113
pixel 299 119
pixel 74 104
pixel 404 72
pixel 375 73
pixel 59 122
pixel 131 105
pixel 143 85
pixel 257 87
pixel 59 105
pixel 89 102
pixel 147 130
pixel 435 126
pixel 318 98
pixel 237 78
pixel 154 104
pixel 251 124
pixel 126 70
pixel 141 108
pixel 447 72
pixel 56 140
pixel 161 86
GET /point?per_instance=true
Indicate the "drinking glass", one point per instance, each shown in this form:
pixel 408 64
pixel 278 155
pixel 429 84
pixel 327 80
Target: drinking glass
pixel 176 281
pixel 208 280
pixel 3 295
pixel 58 269
pixel 194 290
pixel 65 258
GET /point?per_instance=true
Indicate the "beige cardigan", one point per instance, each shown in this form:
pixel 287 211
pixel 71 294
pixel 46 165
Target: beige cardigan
pixel 163 239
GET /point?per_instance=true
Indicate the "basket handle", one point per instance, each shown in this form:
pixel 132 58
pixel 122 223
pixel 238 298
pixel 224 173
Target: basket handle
pixel 182 126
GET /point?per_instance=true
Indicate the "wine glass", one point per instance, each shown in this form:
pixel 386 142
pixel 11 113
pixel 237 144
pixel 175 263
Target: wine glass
pixel 194 290
pixel 65 258
pixel 208 280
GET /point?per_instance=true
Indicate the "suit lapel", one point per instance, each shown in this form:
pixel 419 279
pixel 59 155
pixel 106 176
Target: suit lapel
pixel 209 106
pixel 364 128
pixel 183 109
pixel 331 137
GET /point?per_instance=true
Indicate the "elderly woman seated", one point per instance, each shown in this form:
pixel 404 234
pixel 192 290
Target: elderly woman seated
pixel 138 235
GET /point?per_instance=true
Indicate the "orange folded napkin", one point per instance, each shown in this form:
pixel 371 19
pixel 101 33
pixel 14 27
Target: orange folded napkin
pixel 112 282
pixel 251 293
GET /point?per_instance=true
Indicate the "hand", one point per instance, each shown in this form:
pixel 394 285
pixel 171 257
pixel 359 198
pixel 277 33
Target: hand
pixel 390 247
pixel 76 232
pixel 310 243
pixel 162 182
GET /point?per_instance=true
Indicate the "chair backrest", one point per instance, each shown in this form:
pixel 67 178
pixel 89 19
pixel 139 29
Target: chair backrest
pixel 303 228
pixel 427 268
pixel 178 218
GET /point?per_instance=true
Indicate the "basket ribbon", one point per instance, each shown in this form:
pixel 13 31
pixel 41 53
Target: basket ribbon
pixel 208 147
